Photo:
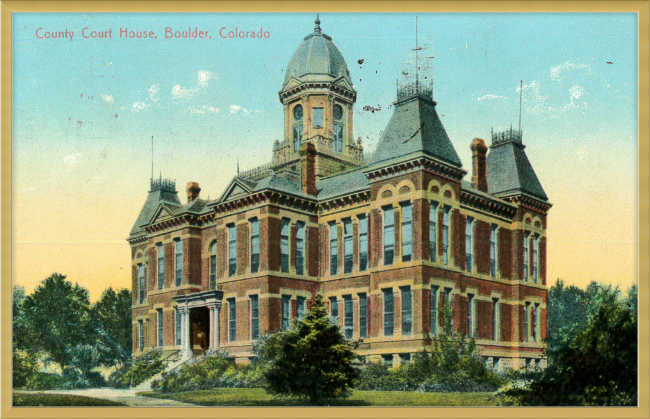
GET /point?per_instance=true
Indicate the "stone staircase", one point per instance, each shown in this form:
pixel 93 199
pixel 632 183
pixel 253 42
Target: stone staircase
pixel 173 366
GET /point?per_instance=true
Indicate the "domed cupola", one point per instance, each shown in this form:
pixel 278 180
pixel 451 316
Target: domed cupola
pixel 317 59
pixel 318 98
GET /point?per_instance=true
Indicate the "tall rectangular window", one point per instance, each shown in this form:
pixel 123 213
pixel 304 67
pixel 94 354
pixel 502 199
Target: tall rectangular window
pixel 389 312
pixel 495 319
pixel 363 243
pixel 493 250
pixel 301 307
pixel 407 232
pixel 232 319
pixel 536 328
pixel 300 248
pixel 179 262
pixel 434 319
pixel 469 244
pixel 317 117
pixel 349 316
pixel 161 266
pixel 526 254
pixel 338 138
pixel 297 137
pixel 433 231
pixel 232 250
pixel 179 323
pixel 535 256
pixel 255 317
pixel 470 315
pixel 286 311
pixel 334 249
pixel 533 323
pixel 449 307
pixel 159 313
pixel 213 265
pixel 284 245
pixel 445 235
pixel 407 310
pixel 363 315
pixel 255 245
pixel 334 310
pixel 348 257
pixel 141 335
pixel 526 321
pixel 389 235
pixel 141 283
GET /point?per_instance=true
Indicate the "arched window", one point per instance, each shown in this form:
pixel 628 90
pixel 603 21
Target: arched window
pixel 213 265
pixel 297 127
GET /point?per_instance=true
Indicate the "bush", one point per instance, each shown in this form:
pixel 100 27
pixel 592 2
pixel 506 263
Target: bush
pixel 74 378
pixel 216 371
pixel 44 381
pixel 25 366
pixel 137 371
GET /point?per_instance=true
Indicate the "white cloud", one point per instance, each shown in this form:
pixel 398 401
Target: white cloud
pixel 153 93
pixel 139 106
pixel 202 110
pixel 108 98
pixel 556 72
pixel 492 97
pixel 73 159
pixel 234 109
pixel 183 93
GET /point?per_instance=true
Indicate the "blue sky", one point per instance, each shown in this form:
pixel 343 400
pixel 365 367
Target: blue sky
pixel 84 110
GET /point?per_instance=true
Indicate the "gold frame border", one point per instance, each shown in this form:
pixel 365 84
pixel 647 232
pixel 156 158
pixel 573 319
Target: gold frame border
pixel 642 8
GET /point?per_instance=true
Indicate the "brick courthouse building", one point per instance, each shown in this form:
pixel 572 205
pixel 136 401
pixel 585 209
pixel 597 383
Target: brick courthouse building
pixel 387 240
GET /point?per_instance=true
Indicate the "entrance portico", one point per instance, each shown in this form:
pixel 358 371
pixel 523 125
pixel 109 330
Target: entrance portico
pixel 185 303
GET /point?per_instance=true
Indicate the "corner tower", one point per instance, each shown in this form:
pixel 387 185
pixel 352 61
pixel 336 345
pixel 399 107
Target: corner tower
pixel 318 98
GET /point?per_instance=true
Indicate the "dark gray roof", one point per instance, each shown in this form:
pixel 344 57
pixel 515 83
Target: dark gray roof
pixel 510 172
pixel 342 184
pixel 316 57
pixel 467 186
pixel 414 129
pixel 156 197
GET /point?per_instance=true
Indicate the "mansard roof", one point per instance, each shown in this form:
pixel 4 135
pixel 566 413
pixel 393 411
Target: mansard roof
pixel 414 130
pixel 342 184
pixel 509 171
pixel 162 192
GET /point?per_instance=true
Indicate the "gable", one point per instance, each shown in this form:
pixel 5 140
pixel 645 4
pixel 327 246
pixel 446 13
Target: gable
pixel 235 190
pixel 293 82
pixel 164 212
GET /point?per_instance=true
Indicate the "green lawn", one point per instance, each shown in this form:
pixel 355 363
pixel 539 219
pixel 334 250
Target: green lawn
pixel 40 399
pixel 258 397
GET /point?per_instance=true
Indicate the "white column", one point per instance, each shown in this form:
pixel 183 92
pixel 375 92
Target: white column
pixel 187 347
pixel 211 328
pixel 216 328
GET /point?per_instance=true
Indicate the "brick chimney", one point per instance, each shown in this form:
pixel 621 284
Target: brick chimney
pixel 193 191
pixel 479 168
pixel 308 162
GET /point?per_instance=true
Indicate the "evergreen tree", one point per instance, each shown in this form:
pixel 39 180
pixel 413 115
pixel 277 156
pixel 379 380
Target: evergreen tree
pixel 315 361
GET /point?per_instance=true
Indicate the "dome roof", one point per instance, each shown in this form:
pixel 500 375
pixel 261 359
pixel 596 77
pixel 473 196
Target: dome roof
pixel 317 59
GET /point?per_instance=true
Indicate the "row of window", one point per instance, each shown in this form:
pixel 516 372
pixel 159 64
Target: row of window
pixel 531 315
pixel 317 122
pixel 406 234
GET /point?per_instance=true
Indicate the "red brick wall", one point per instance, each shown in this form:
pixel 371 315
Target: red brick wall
pixel 506 321
pixel 425 211
pixel 542 259
pixel 458 241
pixel 482 235
pixel 313 256
pixel 272 241
pixel 243 247
pixel 192 260
pixel 375 235
pixel 505 253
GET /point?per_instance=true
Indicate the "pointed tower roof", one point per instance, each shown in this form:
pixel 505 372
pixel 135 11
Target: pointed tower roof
pixel 509 171
pixel 414 129
pixel 162 191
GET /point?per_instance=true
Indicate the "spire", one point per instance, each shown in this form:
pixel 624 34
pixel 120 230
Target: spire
pixel 317 27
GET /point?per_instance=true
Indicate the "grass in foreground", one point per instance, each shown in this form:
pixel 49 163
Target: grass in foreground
pixel 258 397
pixel 24 399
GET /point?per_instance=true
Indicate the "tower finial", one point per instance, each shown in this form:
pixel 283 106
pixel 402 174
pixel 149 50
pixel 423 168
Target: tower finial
pixel 317 27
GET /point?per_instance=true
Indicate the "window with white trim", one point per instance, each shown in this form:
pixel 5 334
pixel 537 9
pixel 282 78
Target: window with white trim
pixel 141 283
pixel 389 312
pixel 178 245
pixel 348 309
pixel 407 310
pixel 286 311
pixel 389 235
pixel 494 249
pixel 535 257
pixel 160 335
pixel 255 245
pixel 232 319
pixel 363 315
pixel 496 319
pixel 348 255
pixel 334 310
pixel 407 231
pixel 141 335
pixel 300 248
pixel 526 255
pixel 445 235
pixel 255 317
pixel 178 321
pixel 334 249
pixel 284 245
pixel 469 244
pixel 301 307
pixel 213 265
pixel 232 250
pixel 161 265
pixel 363 243
pixel 434 317
pixel 433 231
pixel 471 315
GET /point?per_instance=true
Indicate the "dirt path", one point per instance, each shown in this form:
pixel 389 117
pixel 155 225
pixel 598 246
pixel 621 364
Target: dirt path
pixel 127 397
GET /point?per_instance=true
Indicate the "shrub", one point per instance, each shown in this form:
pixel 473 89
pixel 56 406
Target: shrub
pixel 25 366
pixel 216 371
pixel 74 378
pixel 44 381
pixel 137 371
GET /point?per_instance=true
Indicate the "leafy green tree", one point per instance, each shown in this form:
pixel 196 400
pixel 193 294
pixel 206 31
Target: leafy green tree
pixel 110 323
pixel 315 361
pixel 57 314
pixel 22 334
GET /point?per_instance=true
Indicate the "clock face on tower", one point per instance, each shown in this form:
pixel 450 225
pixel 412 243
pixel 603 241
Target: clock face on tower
pixel 297 112
pixel 338 112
